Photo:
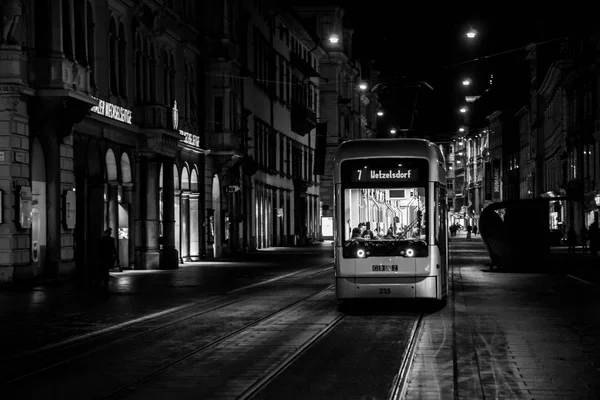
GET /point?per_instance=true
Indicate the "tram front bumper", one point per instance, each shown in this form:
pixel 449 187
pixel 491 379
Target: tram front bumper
pixel 381 287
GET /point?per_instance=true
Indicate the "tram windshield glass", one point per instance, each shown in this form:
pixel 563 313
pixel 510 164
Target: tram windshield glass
pixel 390 214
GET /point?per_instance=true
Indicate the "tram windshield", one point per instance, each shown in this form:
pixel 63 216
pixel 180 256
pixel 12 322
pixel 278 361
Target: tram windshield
pixel 385 214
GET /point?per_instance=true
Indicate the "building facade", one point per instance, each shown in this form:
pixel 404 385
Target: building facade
pixel 347 111
pixel 548 148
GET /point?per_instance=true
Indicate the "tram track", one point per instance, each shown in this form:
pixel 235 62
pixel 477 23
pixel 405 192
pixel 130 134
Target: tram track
pixel 400 384
pixel 66 351
pixel 116 393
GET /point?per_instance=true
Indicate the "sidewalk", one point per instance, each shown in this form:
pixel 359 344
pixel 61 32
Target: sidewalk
pixel 584 266
pixel 509 335
pixel 36 316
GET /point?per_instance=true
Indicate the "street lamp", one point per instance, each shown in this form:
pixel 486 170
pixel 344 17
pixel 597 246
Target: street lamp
pixel 380 113
pixel 471 34
pixel 362 86
pixel 466 82
pixel 461 129
pixel 393 131
pixel 334 39
pixel 463 110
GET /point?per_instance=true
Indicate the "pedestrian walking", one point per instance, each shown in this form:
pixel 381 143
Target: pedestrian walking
pixel 108 258
pixel 469 229
pixel 475 229
pixel 571 240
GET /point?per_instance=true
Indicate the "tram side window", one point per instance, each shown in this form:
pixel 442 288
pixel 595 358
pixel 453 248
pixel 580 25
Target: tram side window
pixel 440 214
pixel 436 214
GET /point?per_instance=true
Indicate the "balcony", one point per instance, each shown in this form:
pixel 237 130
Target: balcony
pixel 55 74
pixel 62 90
pixel 303 119
pixel 303 66
pixel 224 141
pixel 151 116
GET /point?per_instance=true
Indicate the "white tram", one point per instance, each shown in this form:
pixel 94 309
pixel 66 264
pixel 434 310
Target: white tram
pixel 390 233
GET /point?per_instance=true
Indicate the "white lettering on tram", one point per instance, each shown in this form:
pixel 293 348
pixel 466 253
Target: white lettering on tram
pixel 390 174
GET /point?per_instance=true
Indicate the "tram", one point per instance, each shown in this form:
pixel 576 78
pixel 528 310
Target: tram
pixel 390 220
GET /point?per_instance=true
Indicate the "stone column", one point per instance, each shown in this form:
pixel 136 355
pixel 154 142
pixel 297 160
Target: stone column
pixel 177 213
pixel 128 200
pixel 170 255
pixel 94 219
pixel 148 256
pixel 51 143
pixel 185 226
pixel 194 227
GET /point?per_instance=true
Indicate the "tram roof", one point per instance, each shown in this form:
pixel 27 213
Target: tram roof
pixel 406 147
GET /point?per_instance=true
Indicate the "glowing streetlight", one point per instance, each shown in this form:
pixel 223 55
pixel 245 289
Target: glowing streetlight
pixel 334 39
pixel 362 86
pixel 380 113
pixel 466 82
pixel 461 129
pixel 393 131
pixel 471 34
pixel 463 110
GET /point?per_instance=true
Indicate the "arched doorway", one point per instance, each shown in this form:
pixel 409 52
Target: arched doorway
pixel 111 195
pixel 185 213
pixel 124 197
pixel 38 208
pixel 215 224
pixel 177 210
pixel 194 214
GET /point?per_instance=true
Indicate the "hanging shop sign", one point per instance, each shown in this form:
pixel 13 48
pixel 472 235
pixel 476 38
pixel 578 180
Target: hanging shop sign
pixel 112 111
pixel 175 115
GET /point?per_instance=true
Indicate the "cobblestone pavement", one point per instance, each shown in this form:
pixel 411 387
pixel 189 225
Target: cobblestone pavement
pixel 44 314
pixel 511 335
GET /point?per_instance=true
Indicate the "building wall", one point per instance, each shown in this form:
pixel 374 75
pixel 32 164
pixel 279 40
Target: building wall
pixel 343 106
pixel 93 118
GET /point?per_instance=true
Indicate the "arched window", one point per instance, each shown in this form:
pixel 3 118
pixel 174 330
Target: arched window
pixel 193 111
pixel 146 71
pixel 186 91
pixel 91 51
pixel 166 79
pixel 113 58
pixel 80 39
pixel 172 75
pixel 152 72
pixel 67 39
pixel 122 49
pixel 139 70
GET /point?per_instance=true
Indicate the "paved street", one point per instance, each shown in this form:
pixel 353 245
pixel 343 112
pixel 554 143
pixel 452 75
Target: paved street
pixel 266 325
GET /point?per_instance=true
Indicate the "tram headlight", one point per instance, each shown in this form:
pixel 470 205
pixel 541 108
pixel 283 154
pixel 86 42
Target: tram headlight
pixel 361 253
pixel 410 253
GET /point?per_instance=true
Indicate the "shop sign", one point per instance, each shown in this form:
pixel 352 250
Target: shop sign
pixel 189 138
pixel 112 111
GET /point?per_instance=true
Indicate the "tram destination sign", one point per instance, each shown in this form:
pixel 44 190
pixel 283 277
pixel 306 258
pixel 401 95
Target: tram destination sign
pixel 368 174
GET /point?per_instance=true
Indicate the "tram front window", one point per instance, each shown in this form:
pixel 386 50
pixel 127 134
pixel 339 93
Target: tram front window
pixel 388 215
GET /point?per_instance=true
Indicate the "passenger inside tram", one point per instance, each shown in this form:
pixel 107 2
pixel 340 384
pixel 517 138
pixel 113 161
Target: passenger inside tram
pixel 385 214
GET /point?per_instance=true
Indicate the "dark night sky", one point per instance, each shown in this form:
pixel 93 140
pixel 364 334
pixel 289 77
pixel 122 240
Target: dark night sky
pixel 422 43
